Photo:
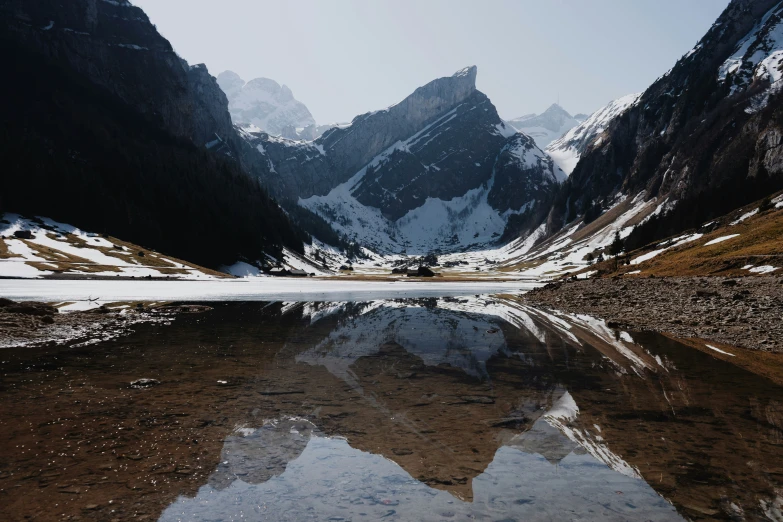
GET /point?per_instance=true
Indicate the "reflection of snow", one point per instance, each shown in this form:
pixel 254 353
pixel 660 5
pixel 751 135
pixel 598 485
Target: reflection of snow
pixel 563 414
pixel 330 480
pixel 255 455
pixel 718 350
pixel 436 336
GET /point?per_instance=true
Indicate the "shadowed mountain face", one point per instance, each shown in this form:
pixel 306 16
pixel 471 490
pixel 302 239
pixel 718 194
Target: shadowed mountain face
pixel 424 407
pixel 123 137
pixel 703 140
pixel 438 171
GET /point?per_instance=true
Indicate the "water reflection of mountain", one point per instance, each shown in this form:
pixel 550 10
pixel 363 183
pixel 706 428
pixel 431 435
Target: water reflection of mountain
pixel 255 455
pixel 647 406
pixel 286 396
pixel 434 335
pixel 330 480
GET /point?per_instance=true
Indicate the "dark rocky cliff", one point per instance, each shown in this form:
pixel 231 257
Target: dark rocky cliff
pixel 107 128
pixel 707 144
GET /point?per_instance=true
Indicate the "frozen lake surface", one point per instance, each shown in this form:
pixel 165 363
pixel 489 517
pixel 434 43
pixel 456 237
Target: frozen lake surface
pixel 275 289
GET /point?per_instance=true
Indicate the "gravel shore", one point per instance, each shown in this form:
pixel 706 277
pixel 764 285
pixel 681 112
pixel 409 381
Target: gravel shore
pixel 30 323
pixel 745 312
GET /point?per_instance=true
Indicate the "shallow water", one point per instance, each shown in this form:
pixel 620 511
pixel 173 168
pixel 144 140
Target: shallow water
pixel 470 408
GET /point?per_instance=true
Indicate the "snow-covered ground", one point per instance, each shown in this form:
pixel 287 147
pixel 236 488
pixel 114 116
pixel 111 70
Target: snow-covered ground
pixel 566 251
pixel 64 249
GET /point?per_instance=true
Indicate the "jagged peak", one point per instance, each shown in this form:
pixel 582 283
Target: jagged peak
pixel 557 109
pixel 470 71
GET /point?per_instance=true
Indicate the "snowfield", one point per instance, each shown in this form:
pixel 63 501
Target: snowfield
pixel 433 225
pixel 64 249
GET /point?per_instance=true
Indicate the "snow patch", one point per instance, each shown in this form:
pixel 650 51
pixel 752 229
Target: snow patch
pixel 720 239
pixel 719 350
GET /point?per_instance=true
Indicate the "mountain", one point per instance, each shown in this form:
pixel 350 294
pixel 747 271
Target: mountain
pixel 545 127
pixel 111 131
pixel 439 171
pixel 567 149
pixel 267 105
pixel 704 139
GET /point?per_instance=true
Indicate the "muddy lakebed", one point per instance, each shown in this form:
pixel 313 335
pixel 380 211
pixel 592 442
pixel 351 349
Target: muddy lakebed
pixel 441 408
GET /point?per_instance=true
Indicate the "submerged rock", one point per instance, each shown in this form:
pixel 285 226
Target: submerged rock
pixel 144 383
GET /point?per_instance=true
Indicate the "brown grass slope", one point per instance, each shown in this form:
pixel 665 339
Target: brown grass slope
pixel 759 243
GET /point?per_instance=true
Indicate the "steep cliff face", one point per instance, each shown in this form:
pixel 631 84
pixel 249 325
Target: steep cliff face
pixel 702 140
pixel 370 134
pixel 439 171
pixel 125 136
pixel 296 170
pixel 115 46
pixel 444 160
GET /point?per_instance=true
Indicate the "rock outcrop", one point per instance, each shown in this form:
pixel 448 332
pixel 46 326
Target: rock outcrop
pixel 439 171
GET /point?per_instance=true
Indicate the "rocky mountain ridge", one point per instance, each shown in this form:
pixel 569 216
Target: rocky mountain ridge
pixel 438 171
pixel 127 137
pixel 568 148
pixel 703 140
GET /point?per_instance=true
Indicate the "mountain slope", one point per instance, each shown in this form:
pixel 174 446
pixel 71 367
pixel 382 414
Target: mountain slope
pixel 266 105
pixel 568 148
pixel 704 139
pixel 113 132
pixel 547 126
pixel 438 171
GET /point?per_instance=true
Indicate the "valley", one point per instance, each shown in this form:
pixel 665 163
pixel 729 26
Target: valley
pixel 220 300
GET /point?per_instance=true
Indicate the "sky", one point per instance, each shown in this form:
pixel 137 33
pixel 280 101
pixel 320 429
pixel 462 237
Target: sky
pixel 342 58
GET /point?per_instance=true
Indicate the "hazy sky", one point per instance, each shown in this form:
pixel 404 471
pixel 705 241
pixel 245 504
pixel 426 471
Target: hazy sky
pixel 345 57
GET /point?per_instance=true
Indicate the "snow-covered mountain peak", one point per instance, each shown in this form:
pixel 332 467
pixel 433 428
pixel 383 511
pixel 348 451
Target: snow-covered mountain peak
pixel 467 72
pixel 555 114
pixel 567 150
pixel 230 82
pixel 546 127
pixel 265 104
pixel 440 170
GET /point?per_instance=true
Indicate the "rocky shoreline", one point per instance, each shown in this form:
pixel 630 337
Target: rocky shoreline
pixel 745 312
pixel 32 324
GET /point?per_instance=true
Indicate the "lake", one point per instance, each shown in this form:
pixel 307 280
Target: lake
pixel 470 407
